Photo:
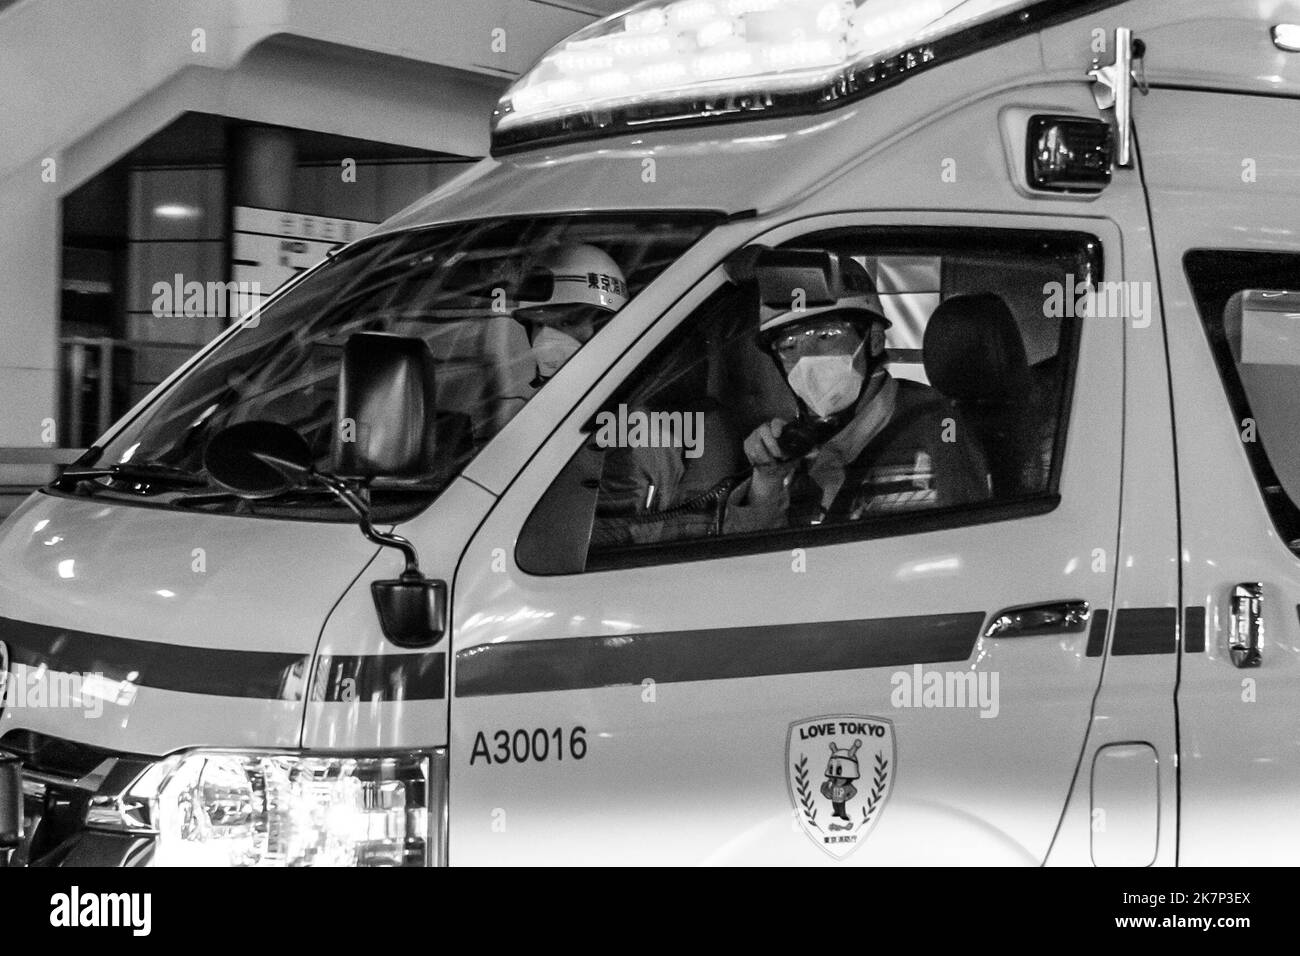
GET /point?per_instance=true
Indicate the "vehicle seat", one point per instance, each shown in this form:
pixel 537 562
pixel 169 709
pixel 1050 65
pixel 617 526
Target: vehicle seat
pixel 974 356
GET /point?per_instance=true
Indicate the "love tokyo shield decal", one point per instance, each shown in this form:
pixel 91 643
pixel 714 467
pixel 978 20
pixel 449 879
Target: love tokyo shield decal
pixel 840 769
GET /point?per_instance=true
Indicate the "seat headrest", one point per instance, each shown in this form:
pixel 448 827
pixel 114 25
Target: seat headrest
pixel 973 351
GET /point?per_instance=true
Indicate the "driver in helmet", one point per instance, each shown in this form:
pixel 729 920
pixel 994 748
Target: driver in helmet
pixel 580 288
pixel 864 442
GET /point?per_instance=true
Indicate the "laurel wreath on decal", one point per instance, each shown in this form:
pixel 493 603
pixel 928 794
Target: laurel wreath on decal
pixel 804 790
pixel 878 784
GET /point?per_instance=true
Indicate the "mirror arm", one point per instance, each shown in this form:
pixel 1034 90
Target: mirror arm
pixel 412 609
pixel 358 508
pixel 354 503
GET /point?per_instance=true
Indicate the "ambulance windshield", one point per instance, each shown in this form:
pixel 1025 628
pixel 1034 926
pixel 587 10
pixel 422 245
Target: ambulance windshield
pixel 502 304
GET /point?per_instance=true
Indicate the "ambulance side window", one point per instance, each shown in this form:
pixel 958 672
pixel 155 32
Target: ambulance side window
pixel 962 419
pixel 1250 307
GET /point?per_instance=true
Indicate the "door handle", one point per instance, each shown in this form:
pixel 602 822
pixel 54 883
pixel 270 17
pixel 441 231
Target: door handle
pixel 1247 624
pixel 1056 617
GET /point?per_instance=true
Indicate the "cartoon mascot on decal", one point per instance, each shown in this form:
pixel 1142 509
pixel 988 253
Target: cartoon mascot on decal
pixel 841 771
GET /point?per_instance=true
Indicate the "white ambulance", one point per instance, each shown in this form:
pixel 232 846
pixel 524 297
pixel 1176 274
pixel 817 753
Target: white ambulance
pixel 435 558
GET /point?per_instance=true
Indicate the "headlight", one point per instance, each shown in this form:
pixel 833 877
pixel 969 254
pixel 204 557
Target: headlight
pixel 227 808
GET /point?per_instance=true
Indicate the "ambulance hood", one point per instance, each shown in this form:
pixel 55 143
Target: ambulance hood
pixel 149 629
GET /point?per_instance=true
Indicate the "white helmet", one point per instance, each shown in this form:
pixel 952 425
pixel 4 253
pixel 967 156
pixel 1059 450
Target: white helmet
pixel 575 274
pixel 855 299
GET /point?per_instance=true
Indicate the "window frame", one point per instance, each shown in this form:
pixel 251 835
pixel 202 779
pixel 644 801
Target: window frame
pixel 1090 252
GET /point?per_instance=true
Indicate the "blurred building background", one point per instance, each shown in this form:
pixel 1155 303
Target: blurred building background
pixel 152 143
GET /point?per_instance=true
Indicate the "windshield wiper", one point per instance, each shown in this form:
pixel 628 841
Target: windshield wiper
pixel 284 498
pixel 216 497
pixel 144 472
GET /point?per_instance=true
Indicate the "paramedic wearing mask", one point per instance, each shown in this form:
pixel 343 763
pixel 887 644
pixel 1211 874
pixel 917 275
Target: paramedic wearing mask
pixel 876 442
pixel 586 287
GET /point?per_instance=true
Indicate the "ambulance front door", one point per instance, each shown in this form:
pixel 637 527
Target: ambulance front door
pixel 1224 216
pixel 908 681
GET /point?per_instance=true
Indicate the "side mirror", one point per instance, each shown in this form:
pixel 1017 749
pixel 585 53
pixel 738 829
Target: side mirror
pixel 412 609
pixel 257 459
pixel 386 407
pixel 261 459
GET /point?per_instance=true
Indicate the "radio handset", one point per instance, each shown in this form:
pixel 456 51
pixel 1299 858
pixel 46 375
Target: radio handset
pixel 805 433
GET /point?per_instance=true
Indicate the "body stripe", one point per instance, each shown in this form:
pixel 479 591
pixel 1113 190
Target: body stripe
pixel 264 675
pixel 380 677
pixel 176 667
pixel 577 663
pixel 1097 633
pixel 1145 630
pixel 1194 630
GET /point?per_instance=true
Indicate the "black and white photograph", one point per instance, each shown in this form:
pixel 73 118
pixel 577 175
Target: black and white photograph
pixel 746 433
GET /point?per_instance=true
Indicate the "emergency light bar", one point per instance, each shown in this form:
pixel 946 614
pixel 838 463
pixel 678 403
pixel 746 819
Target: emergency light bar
pixel 692 61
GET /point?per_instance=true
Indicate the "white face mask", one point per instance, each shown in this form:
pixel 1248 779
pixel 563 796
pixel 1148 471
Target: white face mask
pixel 827 383
pixel 551 349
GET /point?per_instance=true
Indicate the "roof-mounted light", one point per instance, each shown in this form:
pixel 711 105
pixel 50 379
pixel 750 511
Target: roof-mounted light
pixel 699 60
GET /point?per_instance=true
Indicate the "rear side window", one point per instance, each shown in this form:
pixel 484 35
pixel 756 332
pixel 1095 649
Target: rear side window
pixel 1250 307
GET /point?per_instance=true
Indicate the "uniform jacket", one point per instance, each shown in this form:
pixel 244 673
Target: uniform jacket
pixel 891 457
